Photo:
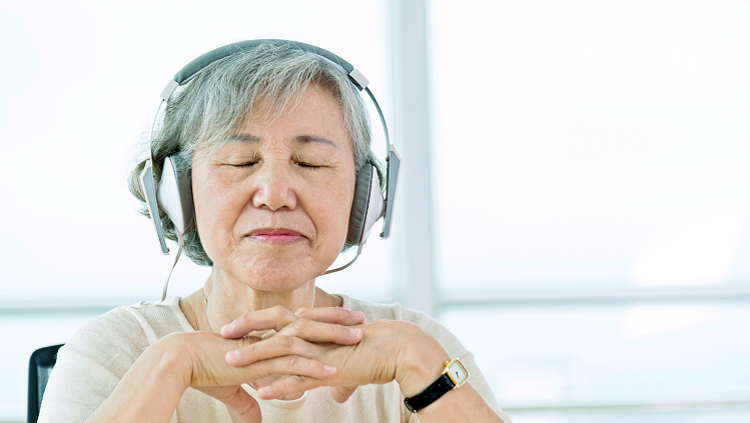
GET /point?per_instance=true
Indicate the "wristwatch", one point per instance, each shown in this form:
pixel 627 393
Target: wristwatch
pixel 454 376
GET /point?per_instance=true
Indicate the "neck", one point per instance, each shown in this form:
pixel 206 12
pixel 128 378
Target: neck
pixel 227 300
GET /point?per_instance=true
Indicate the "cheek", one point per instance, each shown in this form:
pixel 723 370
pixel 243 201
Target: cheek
pixel 336 212
pixel 213 214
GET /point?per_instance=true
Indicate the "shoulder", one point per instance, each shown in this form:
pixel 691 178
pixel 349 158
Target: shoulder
pixel 95 337
pixel 99 354
pixel 377 311
pixel 125 331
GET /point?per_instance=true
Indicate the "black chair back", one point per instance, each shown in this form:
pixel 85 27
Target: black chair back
pixel 40 366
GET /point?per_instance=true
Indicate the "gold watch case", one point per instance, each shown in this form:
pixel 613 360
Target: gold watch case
pixel 456 372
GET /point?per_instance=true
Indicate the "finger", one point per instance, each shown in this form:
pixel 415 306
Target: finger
pixel 313 331
pixel 337 315
pixel 269 318
pixel 287 365
pixel 244 406
pixel 288 386
pixel 342 393
pixel 258 384
pixel 276 346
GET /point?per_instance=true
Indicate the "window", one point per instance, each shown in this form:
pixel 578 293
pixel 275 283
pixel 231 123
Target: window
pixel 572 201
pixel 591 204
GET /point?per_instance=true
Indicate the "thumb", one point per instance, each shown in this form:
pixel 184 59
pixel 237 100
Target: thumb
pixel 243 405
pixel 342 393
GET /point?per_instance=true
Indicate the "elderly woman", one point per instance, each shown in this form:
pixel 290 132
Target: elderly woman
pixel 273 138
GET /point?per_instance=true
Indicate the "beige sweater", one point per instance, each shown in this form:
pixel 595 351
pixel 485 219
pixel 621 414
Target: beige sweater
pixel 91 364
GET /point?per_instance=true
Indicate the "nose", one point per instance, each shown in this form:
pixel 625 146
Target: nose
pixel 274 188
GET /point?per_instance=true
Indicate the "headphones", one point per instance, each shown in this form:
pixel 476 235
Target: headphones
pixel 174 194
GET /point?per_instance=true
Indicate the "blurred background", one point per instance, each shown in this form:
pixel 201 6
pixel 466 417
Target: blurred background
pixel 574 202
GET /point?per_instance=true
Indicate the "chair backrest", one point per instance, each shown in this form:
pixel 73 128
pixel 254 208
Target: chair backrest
pixel 40 366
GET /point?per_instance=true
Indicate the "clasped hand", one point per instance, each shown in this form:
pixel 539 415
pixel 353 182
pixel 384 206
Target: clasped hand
pixel 309 348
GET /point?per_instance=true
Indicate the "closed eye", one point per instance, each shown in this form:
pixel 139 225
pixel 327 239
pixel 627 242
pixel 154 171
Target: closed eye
pixel 308 165
pixel 244 164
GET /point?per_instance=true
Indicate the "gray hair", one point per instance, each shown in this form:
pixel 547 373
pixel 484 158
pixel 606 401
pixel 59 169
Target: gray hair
pixel 259 83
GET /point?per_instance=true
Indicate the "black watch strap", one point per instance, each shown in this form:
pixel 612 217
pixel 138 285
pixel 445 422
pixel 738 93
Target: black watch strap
pixel 442 385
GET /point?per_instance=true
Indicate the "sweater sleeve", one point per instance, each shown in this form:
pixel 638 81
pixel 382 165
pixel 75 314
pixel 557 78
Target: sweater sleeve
pixel 90 365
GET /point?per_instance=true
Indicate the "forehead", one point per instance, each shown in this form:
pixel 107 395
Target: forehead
pixel 315 117
pixel 311 113
pixel 265 109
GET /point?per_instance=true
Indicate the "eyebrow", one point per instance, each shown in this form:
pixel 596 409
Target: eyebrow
pixel 302 139
pixel 244 138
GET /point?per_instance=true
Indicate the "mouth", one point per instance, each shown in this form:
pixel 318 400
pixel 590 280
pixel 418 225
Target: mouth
pixel 276 236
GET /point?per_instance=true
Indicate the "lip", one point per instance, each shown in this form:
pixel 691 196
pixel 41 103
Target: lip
pixel 276 236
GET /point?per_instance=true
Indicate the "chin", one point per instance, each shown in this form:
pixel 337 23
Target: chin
pixel 277 282
pixel 279 275
pixel 274 268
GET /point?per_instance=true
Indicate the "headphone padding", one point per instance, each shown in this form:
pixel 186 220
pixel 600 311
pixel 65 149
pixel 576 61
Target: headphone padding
pixel 360 205
pixel 175 196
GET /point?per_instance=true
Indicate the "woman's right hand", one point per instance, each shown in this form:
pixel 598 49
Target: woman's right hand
pixel 206 353
pixel 153 386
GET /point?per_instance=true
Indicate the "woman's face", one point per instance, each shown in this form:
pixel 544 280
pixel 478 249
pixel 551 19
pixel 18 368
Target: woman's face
pixel 272 204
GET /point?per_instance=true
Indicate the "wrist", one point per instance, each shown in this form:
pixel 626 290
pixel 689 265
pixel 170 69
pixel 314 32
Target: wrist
pixel 454 376
pixel 421 364
pixel 172 360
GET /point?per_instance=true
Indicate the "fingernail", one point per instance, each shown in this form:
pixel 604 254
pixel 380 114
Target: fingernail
pixel 355 333
pixel 228 328
pixel 329 370
pixel 266 390
pixel 233 355
pixel 360 315
pixel 299 311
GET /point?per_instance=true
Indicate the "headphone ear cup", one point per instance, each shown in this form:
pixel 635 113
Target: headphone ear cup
pixel 367 206
pixel 175 196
